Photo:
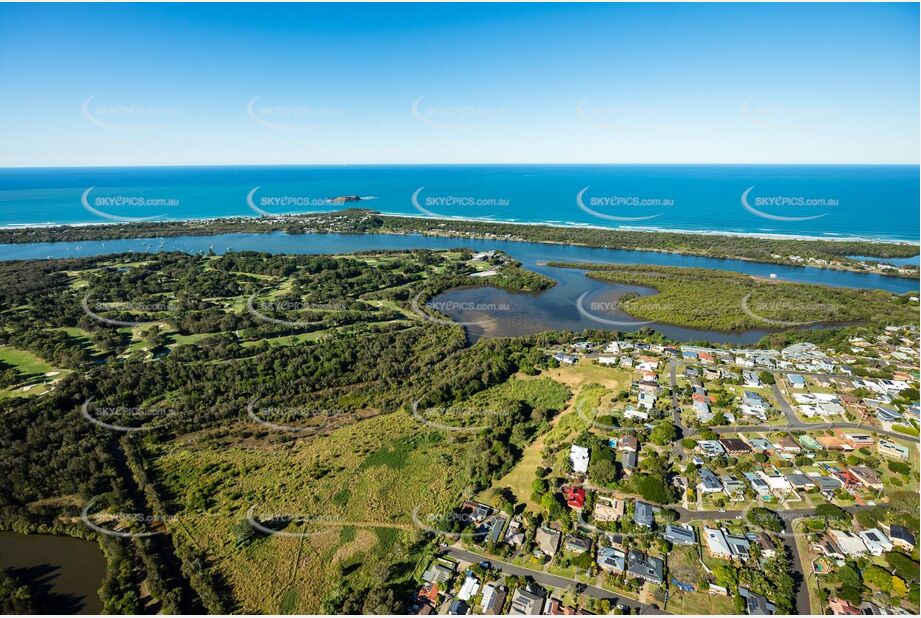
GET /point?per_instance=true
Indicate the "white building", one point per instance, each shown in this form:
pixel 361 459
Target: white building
pixel 578 456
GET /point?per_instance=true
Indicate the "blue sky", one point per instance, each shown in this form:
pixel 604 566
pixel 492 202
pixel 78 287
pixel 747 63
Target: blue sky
pixel 264 84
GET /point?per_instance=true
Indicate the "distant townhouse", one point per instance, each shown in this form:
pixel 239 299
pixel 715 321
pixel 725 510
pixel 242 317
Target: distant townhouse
pixel 849 543
pixel 892 450
pixel 866 477
pixel 877 543
pixel 902 537
pixel 735 446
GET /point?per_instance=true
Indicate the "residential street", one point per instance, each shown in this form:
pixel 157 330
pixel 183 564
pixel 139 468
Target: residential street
pixel 556 581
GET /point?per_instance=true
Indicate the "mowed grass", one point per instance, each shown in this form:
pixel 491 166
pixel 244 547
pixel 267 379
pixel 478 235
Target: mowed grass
pixel 26 362
pixel 361 485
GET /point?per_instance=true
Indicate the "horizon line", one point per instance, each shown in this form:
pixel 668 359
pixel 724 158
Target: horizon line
pixel 448 164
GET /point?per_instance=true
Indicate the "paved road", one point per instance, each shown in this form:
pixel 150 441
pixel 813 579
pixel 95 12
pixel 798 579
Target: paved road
pixel 554 581
pixel 801 426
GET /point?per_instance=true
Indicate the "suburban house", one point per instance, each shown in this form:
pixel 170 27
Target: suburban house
pixel 643 514
pixel 711 448
pixel 645 567
pixel 866 477
pixel 756 604
pixel 628 462
pixel 735 446
pixel 609 509
pixel 578 457
pixel 877 542
pixel 577 544
pixel 469 588
pixel 796 380
pixel 849 543
pixel 610 559
pixel 628 443
pixel 548 540
pixel 527 602
pixel 858 440
pixel 493 599
pixel 709 483
pixel 826 546
pixel 732 487
pixel 575 497
pixel 716 543
pixel 902 537
pixel 680 535
pixel 800 481
pixel 890 449
pixel 438 572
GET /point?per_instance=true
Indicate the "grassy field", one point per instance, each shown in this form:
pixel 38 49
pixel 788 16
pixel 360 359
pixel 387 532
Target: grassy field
pixel 359 485
pixel 26 362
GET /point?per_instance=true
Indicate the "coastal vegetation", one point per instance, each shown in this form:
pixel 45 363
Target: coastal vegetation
pixel 727 301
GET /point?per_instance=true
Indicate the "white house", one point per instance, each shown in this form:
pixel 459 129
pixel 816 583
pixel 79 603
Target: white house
pixel 578 456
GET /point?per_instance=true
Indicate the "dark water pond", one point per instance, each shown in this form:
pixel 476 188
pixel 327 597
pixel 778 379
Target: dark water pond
pixel 64 571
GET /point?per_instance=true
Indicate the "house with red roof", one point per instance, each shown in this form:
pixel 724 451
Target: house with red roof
pixel 575 497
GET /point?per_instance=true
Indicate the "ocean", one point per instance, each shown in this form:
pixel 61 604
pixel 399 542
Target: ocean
pixel 829 202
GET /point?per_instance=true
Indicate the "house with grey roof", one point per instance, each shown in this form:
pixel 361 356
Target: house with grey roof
pixel 611 559
pixel 680 535
pixel 756 604
pixel 527 602
pixel 643 514
pixel 709 483
pixel 645 567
